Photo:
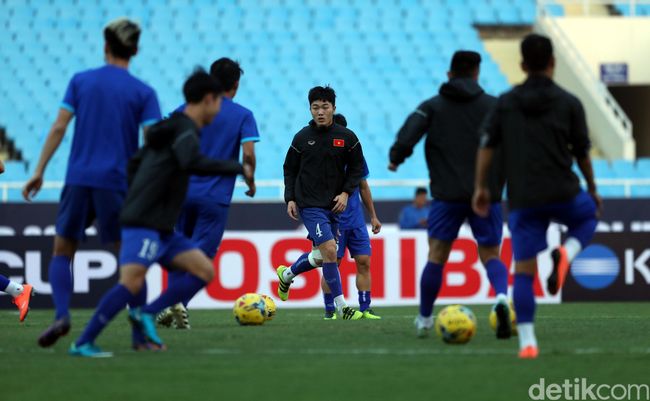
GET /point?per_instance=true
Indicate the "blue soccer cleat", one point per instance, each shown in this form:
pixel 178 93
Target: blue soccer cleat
pixel 146 323
pixel 88 350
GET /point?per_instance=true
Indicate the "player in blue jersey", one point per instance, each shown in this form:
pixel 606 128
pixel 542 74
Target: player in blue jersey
pixel 205 211
pixel 110 105
pixel 353 235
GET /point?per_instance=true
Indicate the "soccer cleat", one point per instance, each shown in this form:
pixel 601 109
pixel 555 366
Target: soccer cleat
pixel 422 326
pixel 181 317
pixel 148 346
pixel 504 324
pixel 283 286
pixel 88 350
pixel 22 301
pixel 370 314
pixel 145 322
pixel 330 315
pixel 58 329
pixel 348 313
pixel 165 318
pixel 560 269
pixel 529 352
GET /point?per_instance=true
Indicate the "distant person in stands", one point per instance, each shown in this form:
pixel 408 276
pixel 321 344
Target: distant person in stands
pixel 110 106
pixel 415 215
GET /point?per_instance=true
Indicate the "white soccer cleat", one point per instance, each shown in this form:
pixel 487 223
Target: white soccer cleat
pixel 165 318
pixel 423 326
pixel 181 317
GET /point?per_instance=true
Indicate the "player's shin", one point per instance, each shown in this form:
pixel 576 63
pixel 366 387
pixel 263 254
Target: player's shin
pixel 524 300
pixel 138 300
pixel 60 278
pixel 498 276
pixel 110 305
pixel 430 284
pixel 184 288
pixel 333 280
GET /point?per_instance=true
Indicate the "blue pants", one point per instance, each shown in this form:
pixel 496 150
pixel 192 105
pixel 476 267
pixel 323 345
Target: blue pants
pixel 356 240
pixel 203 222
pixel 322 224
pixel 446 218
pixel 145 246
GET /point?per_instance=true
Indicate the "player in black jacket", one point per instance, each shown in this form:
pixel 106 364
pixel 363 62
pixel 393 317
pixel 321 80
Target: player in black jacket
pixel 323 167
pixel 451 122
pixel 158 180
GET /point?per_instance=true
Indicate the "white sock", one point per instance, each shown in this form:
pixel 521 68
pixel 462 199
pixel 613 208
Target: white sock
pixel 426 321
pixel 572 247
pixel 340 303
pixel 526 333
pixel 288 275
pixel 14 289
pixel 502 299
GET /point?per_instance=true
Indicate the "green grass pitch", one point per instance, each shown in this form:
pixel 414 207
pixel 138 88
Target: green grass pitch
pixel 298 356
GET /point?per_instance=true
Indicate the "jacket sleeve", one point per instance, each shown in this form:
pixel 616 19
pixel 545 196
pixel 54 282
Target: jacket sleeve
pixel 490 130
pixel 579 134
pixel 134 165
pixel 412 131
pixel 188 153
pixel 354 171
pixel 291 167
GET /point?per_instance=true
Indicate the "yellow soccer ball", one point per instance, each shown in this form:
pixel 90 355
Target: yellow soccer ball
pixel 271 309
pixel 456 324
pixel 513 319
pixel 250 310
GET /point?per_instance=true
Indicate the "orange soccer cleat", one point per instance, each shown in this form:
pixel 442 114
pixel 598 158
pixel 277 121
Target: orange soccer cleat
pixel 22 301
pixel 560 269
pixel 529 352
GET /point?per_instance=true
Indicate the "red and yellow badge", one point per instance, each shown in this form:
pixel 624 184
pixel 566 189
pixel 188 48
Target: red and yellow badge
pixel 339 143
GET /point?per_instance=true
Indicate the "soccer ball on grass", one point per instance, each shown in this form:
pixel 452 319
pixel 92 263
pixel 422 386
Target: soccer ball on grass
pixel 270 307
pixel 250 310
pixel 456 324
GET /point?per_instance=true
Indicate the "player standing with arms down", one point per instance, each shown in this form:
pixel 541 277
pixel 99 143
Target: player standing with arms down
pixel 540 128
pixel 323 167
pixel 451 121
pixel 205 210
pixel 110 104
pixel 159 175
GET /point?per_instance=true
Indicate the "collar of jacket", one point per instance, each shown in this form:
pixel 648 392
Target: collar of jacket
pixel 321 130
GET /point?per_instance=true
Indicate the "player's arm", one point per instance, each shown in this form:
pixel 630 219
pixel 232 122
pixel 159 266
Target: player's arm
pixel 409 135
pixel 354 173
pixel 187 151
pixel 580 145
pixel 52 142
pixel 291 167
pixel 248 157
pixel 490 138
pixel 2 167
pixel 366 198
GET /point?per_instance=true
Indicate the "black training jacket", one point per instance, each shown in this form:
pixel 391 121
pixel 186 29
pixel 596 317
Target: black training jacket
pixel 540 128
pixel 159 173
pixel 451 122
pixel 320 164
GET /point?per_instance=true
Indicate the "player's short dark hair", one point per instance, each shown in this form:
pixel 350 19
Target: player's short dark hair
pixel 464 63
pixel 421 191
pixel 227 71
pixel 340 120
pixel 537 52
pixel 323 93
pixel 122 36
pixel 199 84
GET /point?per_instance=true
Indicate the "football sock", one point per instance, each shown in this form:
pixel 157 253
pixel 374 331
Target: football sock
pixel 332 278
pixel 426 321
pixel 174 276
pixel 526 333
pixel 339 303
pixel 301 265
pixel 60 278
pixel 138 300
pixel 10 287
pixel 572 247
pixel 498 275
pixel 524 298
pixel 364 300
pixel 109 306
pixel 184 288
pixel 430 284
pixel 329 302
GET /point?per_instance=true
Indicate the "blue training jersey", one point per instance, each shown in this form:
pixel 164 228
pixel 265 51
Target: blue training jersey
pixel 222 139
pixel 109 105
pixel 352 216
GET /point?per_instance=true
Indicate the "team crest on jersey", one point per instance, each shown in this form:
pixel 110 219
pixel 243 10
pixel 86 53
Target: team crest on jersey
pixel 339 143
pixel 311 142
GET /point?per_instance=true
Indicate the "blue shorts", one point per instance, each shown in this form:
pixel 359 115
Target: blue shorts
pixel 203 222
pixel 322 224
pixel 80 206
pixel 145 246
pixel 356 240
pixel 445 219
pixel 528 226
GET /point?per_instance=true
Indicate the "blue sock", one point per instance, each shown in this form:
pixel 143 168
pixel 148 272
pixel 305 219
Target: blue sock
pixel 430 284
pixel 184 288
pixel 329 302
pixel 524 298
pixel 109 306
pixel 301 265
pixel 175 276
pixel 332 278
pixel 60 278
pixel 364 300
pixel 498 275
pixel 4 282
pixel 138 300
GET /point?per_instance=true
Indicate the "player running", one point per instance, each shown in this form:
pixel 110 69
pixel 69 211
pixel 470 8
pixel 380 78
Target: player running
pixel 205 211
pixel 353 235
pixel 540 128
pixel 110 104
pixel 451 121
pixel 158 180
pixel 323 167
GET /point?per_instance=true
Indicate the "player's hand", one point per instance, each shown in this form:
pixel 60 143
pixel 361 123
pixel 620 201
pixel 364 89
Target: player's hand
pixel 481 202
pixel 2 167
pixel 599 202
pixel 376 225
pixel 250 179
pixel 32 187
pixel 292 210
pixel 341 202
pixel 392 167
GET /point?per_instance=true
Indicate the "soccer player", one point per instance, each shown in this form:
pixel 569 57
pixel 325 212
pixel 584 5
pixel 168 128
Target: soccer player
pixel 205 210
pixel 158 180
pixel 451 122
pixel 109 104
pixel 353 235
pixel 323 167
pixel 540 128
